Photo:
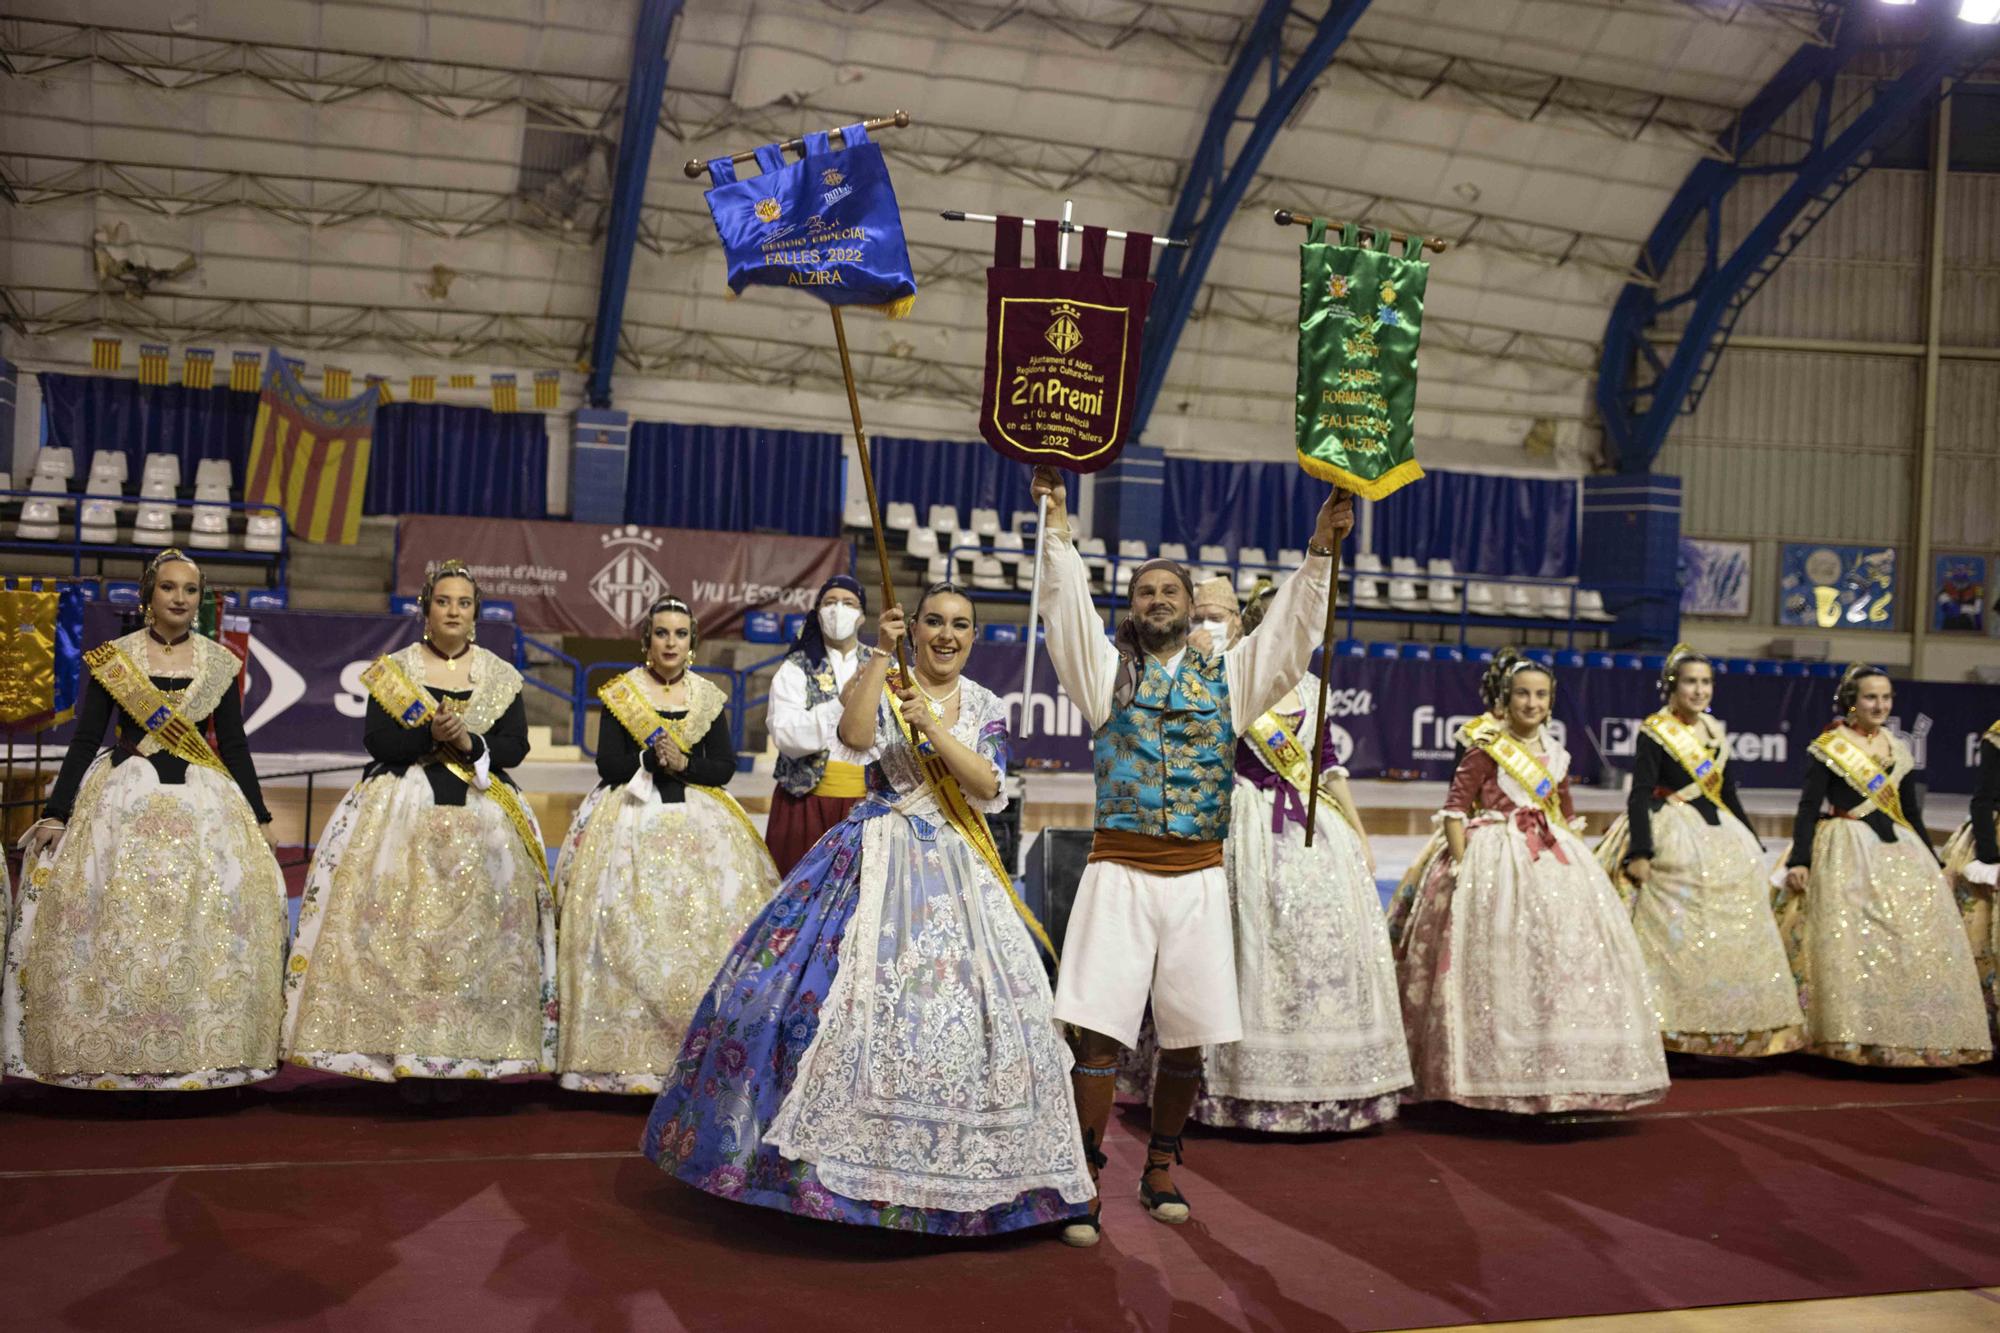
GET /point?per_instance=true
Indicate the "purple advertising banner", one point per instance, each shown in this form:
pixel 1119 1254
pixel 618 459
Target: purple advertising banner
pixel 1396 718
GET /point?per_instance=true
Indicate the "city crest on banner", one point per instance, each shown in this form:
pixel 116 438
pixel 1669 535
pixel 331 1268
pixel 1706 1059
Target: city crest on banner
pixel 1360 317
pixel 827 224
pixel 1062 348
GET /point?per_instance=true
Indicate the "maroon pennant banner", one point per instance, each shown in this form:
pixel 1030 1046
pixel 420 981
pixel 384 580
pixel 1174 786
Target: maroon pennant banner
pixel 1062 348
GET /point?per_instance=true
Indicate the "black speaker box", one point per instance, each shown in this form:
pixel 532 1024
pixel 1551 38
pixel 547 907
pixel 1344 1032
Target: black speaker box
pixel 1055 865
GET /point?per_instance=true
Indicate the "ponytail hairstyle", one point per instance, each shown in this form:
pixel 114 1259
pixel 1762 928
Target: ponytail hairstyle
pixel 669 603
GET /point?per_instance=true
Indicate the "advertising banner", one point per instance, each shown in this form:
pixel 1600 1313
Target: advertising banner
pixel 580 578
pixel 1395 719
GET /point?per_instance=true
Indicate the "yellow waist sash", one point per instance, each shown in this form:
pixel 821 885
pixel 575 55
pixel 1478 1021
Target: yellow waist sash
pixel 143 702
pixel 842 781
pixel 1860 771
pixel 1689 751
pixel 969 822
pixel 413 706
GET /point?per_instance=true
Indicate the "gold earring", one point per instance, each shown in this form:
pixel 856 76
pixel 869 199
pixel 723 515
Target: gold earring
pixel 472 635
pixel 149 617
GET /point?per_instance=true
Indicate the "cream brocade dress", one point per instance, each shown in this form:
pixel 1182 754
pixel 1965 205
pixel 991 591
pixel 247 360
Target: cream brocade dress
pixel 148 951
pixel 1704 918
pixel 426 945
pixel 654 893
pixel 1877 945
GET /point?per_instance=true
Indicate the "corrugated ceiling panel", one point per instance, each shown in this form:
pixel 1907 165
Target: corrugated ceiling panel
pixel 1966 502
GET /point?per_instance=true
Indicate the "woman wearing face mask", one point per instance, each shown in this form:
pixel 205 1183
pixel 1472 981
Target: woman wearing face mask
pixel 1493 702
pixel 1685 858
pixel 815 791
pixel 661 869
pixel 1523 986
pixel 1972 863
pixel 426 945
pixel 880 1048
pixel 1877 946
pixel 150 949
pixel 1322 1048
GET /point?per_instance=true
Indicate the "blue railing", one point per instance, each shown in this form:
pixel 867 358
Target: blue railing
pixel 79 549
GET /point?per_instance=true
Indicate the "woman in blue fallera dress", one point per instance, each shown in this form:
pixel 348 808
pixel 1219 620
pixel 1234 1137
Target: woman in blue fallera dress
pixel 880 1047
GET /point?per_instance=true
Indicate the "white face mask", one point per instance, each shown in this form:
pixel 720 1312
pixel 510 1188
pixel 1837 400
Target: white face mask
pixel 1218 632
pixel 839 621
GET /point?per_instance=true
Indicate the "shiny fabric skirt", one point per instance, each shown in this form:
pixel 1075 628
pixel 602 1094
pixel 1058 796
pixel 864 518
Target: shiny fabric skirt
pixel 652 894
pixel 1709 937
pixel 1982 923
pixel 1523 986
pixel 1879 952
pixel 426 944
pixel 1323 1049
pixel 913 1059
pixel 148 952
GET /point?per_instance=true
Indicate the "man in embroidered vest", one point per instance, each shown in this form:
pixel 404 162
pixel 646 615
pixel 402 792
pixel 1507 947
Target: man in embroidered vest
pixel 1151 917
pixel 813 793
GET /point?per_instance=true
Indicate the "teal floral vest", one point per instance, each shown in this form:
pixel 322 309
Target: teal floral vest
pixel 1165 762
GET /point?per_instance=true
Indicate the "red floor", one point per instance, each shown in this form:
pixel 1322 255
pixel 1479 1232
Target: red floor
pixel 318 1203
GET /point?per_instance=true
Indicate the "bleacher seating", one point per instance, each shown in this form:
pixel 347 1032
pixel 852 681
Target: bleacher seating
pixel 1444 585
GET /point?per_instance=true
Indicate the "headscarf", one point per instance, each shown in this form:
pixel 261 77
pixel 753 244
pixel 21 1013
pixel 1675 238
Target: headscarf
pixel 1131 656
pixel 809 639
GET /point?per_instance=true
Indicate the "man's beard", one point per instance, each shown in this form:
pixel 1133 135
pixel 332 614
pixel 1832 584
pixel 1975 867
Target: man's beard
pixel 1158 639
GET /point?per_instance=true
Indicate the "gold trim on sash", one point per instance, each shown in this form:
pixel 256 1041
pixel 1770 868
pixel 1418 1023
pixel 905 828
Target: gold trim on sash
pixel 412 706
pixel 143 702
pixel 1860 771
pixel 1690 751
pixel 643 723
pixel 1517 763
pixel 969 822
pixel 1473 728
pixel 1277 746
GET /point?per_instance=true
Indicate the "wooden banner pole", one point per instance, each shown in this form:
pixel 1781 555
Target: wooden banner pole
pixel 868 479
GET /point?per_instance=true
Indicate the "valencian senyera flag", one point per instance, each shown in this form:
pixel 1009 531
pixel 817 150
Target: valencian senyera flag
pixel 41 653
pixel 1062 348
pixel 309 455
pixel 1360 315
pixel 826 224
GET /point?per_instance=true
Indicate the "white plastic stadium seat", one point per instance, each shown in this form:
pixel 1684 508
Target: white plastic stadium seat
pixel 1481 600
pixel 923 544
pixel 56 462
pixel 1174 551
pixel 1010 548
pixel 989 573
pixel 986 522
pixel 1095 559
pixel 937 569
pixel 1023 520
pixel 962 552
pixel 1251 565
pixel 214 472
pixel 1590 605
pixel 263 532
pixel 110 464
pixel 900 516
pixel 209 530
pixel 155 524
pixel 41 518
pixel 1215 557
pixel 1519 600
pixel 1368 563
pixel 1444 585
pixel 99 521
pixel 1368 592
pixel 944 518
pixel 1554 602
pixel 161 467
pixel 855 513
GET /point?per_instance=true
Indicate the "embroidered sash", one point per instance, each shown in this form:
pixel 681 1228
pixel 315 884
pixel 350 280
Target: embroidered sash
pixel 1517 763
pixel 643 723
pixel 969 822
pixel 1473 728
pixel 413 706
pixel 1690 751
pixel 1992 736
pixel 1860 771
pixel 142 700
pixel 1277 746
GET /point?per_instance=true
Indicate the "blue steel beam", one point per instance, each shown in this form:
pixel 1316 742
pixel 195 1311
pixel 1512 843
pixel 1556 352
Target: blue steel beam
pixel 628 191
pixel 1214 190
pixel 1637 417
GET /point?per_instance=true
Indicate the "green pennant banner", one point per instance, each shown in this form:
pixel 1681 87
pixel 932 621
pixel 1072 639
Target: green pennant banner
pixel 1360 316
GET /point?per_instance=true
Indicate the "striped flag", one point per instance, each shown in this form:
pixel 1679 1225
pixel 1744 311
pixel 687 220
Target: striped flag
pixel 335 383
pixel 152 363
pixel 246 371
pixel 107 354
pixel 198 367
pixel 465 381
pixel 381 387
pixel 548 389
pixel 423 388
pixel 505 397
pixel 310 455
